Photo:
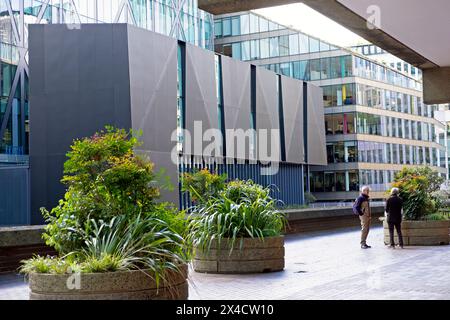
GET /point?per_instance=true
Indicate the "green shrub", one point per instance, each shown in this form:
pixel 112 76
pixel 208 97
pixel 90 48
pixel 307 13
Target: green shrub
pixel 418 189
pixel 439 216
pixel 202 184
pixel 105 179
pixel 244 191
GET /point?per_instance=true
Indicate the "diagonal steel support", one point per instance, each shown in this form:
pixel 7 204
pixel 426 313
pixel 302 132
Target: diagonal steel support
pixel 13 22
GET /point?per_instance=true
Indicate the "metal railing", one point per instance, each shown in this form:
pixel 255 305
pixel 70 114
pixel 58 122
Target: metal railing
pixel 286 183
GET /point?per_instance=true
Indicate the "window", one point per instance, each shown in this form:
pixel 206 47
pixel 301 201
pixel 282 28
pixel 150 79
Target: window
pixel 245 24
pixel 388 147
pixel 274 52
pixel 314 65
pixel 325 69
pixel 340 181
pixel 349 123
pixel 400 128
pixel 407 130
pixel 317 183
pixel 300 71
pixel 254 49
pixel 350 152
pixel 283 42
pixel 293 44
pixel 327 96
pixel 408 154
pixel 303 43
pixel 236 50
pixel 235 26
pixel 264 48
pixel 285 69
pixel 218 28
pixel 226 27
pixel 348 94
pixel 324 46
pixel 254 23
pixel 346 66
pixel 263 25
pixel 313 45
pixel 335 67
pixel 336 152
pixel 353 178
pixel 329 182
pixel 334 124
pixel 273 26
pixel 245 50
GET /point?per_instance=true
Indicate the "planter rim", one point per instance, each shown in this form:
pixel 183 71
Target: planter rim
pixel 182 267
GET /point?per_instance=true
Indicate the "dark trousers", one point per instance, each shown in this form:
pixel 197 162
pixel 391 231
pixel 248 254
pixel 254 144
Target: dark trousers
pixel 398 227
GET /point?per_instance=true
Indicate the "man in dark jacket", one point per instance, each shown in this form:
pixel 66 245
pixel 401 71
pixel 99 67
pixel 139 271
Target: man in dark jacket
pixel 363 207
pixel 394 216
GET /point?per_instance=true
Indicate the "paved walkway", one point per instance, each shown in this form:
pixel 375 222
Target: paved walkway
pixel 323 265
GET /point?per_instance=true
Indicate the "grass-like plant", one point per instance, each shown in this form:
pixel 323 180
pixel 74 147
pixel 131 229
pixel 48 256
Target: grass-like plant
pixel 242 210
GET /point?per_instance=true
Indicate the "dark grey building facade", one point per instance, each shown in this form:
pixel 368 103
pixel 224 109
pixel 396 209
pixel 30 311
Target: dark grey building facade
pixel 121 75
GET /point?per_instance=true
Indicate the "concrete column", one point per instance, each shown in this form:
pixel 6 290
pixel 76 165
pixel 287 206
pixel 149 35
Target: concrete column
pixel 436 85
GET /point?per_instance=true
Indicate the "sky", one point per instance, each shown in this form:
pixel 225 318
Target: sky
pixel 303 18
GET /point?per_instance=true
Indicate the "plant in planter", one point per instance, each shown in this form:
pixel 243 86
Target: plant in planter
pixel 110 230
pixel 202 184
pixel 238 230
pixel 423 223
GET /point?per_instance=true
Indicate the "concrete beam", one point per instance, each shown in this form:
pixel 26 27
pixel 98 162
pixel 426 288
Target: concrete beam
pixel 436 85
pixel 230 6
pixel 354 22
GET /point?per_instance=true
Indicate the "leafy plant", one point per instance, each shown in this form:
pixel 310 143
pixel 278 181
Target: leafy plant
pixel 309 198
pixel 202 184
pixel 104 179
pixel 242 210
pixel 109 219
pixel 49 264
pixel 139 243
pixel 418 187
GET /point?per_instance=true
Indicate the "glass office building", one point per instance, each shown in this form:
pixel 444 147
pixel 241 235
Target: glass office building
pixel 179 19
pixel 375 118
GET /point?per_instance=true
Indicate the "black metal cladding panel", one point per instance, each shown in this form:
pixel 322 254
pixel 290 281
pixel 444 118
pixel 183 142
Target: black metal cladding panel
pixel 292 93
pixel 316 127
pixel 201 99
pixel 236 98
pixel 74 92
pixel 153 90
pixel 267 108
pixel 153 85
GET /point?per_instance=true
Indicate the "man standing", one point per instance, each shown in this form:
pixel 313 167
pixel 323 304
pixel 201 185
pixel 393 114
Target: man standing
pixel 394 216
pixel 363 208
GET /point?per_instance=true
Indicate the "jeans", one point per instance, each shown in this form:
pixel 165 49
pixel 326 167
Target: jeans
pixel 398 227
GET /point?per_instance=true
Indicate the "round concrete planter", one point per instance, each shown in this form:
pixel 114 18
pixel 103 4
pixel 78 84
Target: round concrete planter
pixel 123 285
pixel 256 256
pixel 421 233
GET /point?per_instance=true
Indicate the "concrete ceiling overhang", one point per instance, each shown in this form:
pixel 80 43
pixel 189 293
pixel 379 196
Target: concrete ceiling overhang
pixel 230 6
pixel 416 31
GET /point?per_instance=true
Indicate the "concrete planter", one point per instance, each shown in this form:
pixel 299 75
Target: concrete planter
pixel 256 256
pixel 421 233
pixel 124 285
